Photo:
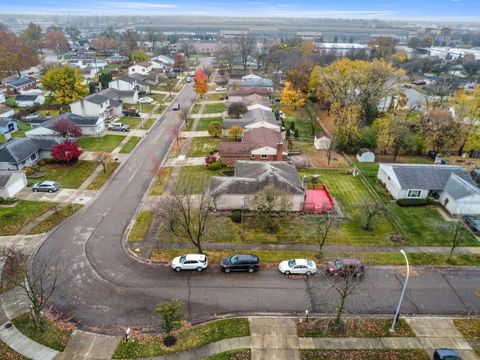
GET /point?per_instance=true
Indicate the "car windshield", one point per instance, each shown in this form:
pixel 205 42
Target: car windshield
pixel 338 264
pixel 182 259
pixel 310 263
pixel 234 259
pixel 292 263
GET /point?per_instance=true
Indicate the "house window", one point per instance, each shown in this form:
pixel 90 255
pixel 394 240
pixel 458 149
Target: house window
pixel 414 193
pixel 252 156
pixel 33 157
pixel 264 156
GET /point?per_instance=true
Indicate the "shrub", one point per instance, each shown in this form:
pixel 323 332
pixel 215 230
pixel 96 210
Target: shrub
pixel 288 133
pixel 216 165
pixel 7 201
pixel 236 216
pixel 414 202
pixel 295 133
pixel 66 152
pixel 237 109
pixel 215 129
pixel 292 125
pixel 210 159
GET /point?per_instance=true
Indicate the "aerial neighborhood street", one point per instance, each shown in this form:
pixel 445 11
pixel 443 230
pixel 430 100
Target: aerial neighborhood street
pixel 182 188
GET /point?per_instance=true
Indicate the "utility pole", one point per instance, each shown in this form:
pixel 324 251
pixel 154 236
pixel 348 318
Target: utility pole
pixel 395 318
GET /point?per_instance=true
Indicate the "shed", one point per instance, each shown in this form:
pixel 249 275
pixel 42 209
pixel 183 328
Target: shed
pixel 322 141
pixel 11 182
pixel 365 155
pixel 8 125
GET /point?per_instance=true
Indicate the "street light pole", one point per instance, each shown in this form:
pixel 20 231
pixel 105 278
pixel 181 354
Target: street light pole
pixel 395 318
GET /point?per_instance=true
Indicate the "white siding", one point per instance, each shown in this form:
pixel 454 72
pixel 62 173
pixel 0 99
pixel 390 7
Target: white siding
pixel 15 184
pixel 232 202
pixel 120 85
pixel 322 143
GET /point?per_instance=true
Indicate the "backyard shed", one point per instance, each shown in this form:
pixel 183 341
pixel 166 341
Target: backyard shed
pixel 322 141
pixel 365 155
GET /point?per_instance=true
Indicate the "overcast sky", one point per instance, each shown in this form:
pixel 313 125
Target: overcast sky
pixel 382 9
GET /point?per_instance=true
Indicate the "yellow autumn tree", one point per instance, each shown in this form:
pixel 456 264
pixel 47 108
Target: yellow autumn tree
pixel 292 97
pixel 65 84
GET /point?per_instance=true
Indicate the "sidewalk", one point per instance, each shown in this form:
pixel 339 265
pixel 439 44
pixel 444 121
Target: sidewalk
pixel 185 161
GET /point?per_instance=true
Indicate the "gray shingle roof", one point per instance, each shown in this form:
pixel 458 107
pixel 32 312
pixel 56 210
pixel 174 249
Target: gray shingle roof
pixel 4 109
pixel 363 151
pixel 251 117
pixel 26 97
pixel 77 119
pixel 17 150
pixel 458 188
pixel 432 177
pixel 96 99
pixel 252 176
pixel 21 81
pixel 257 83
pixel 5 121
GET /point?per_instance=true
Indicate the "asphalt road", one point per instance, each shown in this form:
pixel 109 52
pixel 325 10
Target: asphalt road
pixel 103 288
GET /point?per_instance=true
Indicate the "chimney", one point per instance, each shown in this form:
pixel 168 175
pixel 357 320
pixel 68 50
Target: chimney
pixel 279 150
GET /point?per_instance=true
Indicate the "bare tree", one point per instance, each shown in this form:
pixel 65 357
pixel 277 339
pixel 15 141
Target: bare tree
pixel 227 55
pixel 187 48
pixel 208 70
pixel 309 114
pixel 271 205
pixel 189 214
pixel 456 231
pixel 105 159
pixel 38 280
pixel 246 46
pixel 331 149
pixel 170 85
pixel 322 228
pixel 345 285
pixel 370 210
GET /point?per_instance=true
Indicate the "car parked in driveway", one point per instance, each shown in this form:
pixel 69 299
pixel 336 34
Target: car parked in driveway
pixel 473 223
pixel 145 100
pixel 446 354
pixel 345 267
pixel 46 186
pixel 298 266
pixel 118 127
pixel 240 262
pixel 220 89
pixel 197 262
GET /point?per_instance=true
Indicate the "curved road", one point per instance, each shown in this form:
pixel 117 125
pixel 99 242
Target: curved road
pixel 103 288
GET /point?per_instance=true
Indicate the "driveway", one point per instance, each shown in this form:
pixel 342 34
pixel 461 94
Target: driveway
pixel 103 288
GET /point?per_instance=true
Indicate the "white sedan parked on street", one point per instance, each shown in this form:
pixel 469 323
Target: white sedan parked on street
pixel 298 266
pixel 197 262
pixel 145 100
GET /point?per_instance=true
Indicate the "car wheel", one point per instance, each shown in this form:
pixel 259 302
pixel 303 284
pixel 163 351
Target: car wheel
pixel 309 273
pixel 178 269
pixel 35 190
pixel 199 269
pixel 250 270
pixel 50 190
pixel 287 272
pixel 227 270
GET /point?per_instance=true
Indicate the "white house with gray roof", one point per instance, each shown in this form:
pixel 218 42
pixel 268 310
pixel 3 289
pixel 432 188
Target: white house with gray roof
pixel 89 126
pixel 97 105
pixel 455 188
pixel 251 117
pixel 238 191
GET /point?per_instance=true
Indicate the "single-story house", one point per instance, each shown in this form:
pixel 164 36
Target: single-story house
pixel 164 60
pixel 365 155
pixel 129 83
pixel 262 124
pixel 259 106
pixel 20 84
pixel 251 117
pixel 143 67
pixel 452 185
pixel 239 94
pixel 97 105
pixel 322 141
pixel 125 96
pixel 118 59
pixel 89 125
pixel 257 81
pixel 5 111
pixel 11 183
pixel 15 154
pixel 8 125
pixel 29 100
pixel 260 144
pixel 238 191
pixel 35 120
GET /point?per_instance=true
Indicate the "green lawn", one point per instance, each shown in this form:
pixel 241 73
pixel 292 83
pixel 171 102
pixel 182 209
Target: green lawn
pixel 469 328
pixel 130 145
pixel 104 143
pixel 304 127
pixel 68 176
pixel 364 354
pixel 130 121
pixel 22 127
pixel 195 109
pixel 161 181
pixel 15 218
pixel 197 177
pixel 56 218
pixel 148 123
pixel 52 337
pixel 188 339
pixel 203 123
pixel 144 108
pixel 102 177
pixel 231 355
pixel 213 108
pixel 51 112
pixel 141 225
pixel 202 146
pixel 216 96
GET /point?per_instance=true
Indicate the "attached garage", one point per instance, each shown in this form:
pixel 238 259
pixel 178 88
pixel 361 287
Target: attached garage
pixel 11 182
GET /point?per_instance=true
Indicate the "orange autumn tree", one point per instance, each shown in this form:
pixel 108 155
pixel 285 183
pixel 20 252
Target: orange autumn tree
pixel 200 85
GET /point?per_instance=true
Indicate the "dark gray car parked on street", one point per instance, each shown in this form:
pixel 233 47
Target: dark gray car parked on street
pixel 240 262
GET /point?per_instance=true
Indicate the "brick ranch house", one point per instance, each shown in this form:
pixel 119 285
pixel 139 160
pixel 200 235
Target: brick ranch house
pixel 258 144
pixel 20 84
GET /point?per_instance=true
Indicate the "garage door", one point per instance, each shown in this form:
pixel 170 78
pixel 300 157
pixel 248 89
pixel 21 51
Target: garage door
pixel 15 187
